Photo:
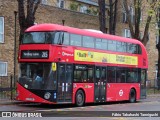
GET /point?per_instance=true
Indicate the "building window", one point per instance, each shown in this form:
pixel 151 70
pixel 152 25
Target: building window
pixel 3 68
pixel 44 2
pixel 157 39
pixel 131 15
pixel 124 15
pixel 127 33
pixel 83 9
pixel 1 29
pixel 61 3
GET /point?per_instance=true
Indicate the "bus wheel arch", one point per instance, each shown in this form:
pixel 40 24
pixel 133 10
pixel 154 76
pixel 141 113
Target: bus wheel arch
pixel 80 97
pixel 132 95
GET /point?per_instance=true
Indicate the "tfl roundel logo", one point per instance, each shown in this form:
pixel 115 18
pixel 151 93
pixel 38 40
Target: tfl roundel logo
pixel 121 93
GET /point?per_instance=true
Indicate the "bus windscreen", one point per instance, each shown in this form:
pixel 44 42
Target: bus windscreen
pixel 37 76
pixel 41 38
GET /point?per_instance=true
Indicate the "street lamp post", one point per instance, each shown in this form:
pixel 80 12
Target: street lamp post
pixel 63 21
pixel 15 15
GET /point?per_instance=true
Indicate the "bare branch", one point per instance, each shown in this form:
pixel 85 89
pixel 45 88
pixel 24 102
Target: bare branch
pixel 102 18
pixel 36 6
pixel 21 13
pixel 128 18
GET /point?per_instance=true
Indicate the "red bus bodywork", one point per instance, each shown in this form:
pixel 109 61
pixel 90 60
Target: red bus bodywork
pixel 66 54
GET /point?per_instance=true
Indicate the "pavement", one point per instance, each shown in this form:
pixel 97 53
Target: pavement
pixel 150 98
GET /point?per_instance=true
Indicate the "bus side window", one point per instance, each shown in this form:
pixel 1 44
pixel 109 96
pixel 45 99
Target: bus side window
pixel 90 74
pixel 121 46
pixel 139 49
pixel 88 41
pixel 111 74
pixel 132 75
pixel 56 38
pixel 80 73
pixel 65 39
pixel 121 75
pixel 75 40
pixel 98 43
pixel 132 48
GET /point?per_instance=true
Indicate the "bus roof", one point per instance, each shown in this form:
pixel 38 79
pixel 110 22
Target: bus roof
pixel 56 27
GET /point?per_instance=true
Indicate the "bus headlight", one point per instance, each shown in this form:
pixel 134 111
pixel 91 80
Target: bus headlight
pixel 47 95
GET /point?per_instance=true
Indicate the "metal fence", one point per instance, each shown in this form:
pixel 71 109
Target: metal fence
pixel 7 87
pixel 153 86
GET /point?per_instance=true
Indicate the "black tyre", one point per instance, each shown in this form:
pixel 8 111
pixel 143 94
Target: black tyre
pixel 80 98
pixel 132 96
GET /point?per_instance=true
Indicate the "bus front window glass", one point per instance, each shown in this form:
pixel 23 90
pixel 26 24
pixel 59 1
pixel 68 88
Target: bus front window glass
pixel 37 76
pixel 38 37
pixel 33 38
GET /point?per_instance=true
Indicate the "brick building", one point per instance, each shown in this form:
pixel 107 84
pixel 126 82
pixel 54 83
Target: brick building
pixel 75 13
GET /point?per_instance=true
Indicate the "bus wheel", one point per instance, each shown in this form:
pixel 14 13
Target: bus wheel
pixel 132 96
pixel 80 98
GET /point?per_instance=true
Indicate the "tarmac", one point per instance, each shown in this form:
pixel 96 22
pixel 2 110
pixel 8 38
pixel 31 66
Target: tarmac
pixel 149 98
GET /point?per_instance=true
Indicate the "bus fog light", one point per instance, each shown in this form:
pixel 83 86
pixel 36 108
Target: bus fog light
pixel 55 96
pixel 47 95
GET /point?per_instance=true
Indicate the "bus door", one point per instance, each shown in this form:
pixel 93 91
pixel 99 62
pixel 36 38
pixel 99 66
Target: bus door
pixel 143 83
pixel 100 84
pixel 65 75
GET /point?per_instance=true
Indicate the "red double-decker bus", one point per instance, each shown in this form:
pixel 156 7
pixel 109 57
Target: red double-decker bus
pixel 60 64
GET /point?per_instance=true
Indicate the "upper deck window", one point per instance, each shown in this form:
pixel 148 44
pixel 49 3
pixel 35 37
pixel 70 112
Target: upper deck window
pixel 75 40
pixel 41 37
pixel 121 46
pixel 65 38
pixel 88 41
pixel 111 45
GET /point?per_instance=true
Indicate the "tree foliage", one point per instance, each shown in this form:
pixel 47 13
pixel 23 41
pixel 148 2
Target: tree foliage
pixel 26 13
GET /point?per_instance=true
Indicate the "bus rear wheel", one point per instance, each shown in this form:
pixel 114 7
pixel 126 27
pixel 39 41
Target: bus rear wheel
pixel 80 98
pixel 132 96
